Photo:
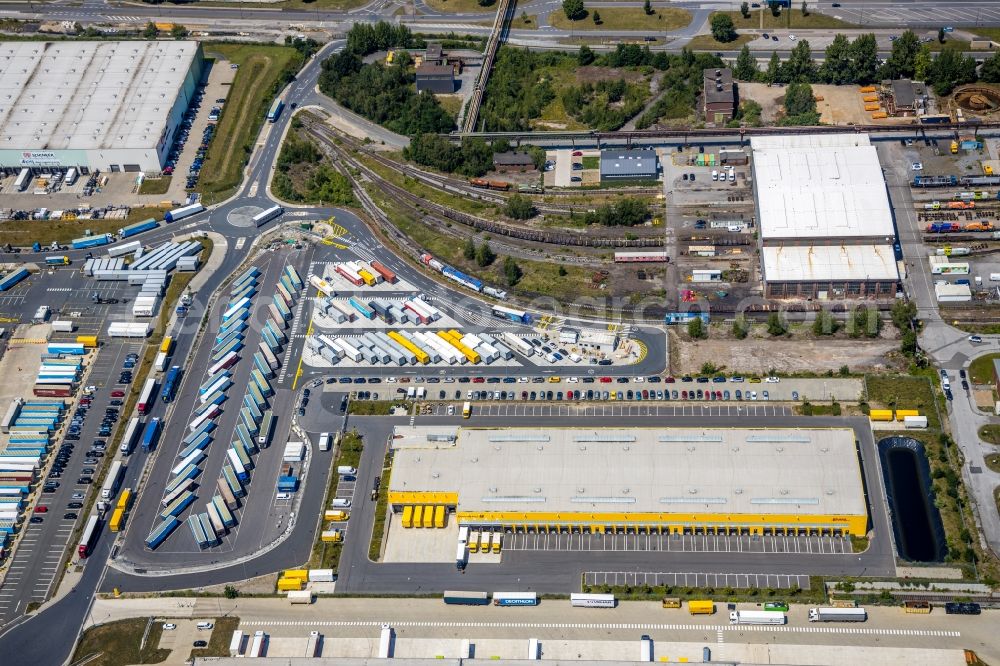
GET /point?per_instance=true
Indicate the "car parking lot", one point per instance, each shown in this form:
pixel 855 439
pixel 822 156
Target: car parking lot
pixel 521 409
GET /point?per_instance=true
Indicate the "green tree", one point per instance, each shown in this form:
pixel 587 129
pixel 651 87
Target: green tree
pixel 990 71
pixel 696 329
pixel 800 66
pixel 901 63
pixel 741 329
pixel 941 35
pixel 150 31
pixel 178 31
pixel 723 29
pixel 469 251
pixel 745 9
pixel 562 271
pixel 647 7
pixel 838 65
pixel 864 51
pixel 746 65
pixel 824 324
pixel 519 207
pixel 805 10
pixel 773 73
pixel 776 325
pixel 511 271
pixel 908 343
pixel 903 313
pixel 922 63
pixel 949 69
pixel 485 3
pixel 865 322
pixel 585 56
pixel 800 104
pixel 574 9
pixel 230 592
pixel 597 17
pixel 485 255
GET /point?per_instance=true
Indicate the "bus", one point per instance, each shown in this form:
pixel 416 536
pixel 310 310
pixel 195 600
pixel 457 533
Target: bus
pixel 466 410
pixel 87 539
pixel 170 384
pixel 146 397
pixel 510 314
pixel 275 111
pixel 114 478
pixel 131 433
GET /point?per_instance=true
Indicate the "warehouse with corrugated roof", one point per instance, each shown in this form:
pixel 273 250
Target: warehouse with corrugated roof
pixel 826 225
pixel 664 480
pixel 113 106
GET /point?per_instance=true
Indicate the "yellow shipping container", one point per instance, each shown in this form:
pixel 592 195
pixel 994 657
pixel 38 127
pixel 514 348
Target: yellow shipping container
pixel 286 584
pixel 671 602
pixel 164 26
pixel 701 607
pixel 407 516
pixel 165 204
pixel 428 516
pixel 867 89
pixel 880 115
pixel 439 516
pixel 903 413
pixel 89 341
pixel 922 607
pixel 418 516
pixel 871 107
pixel 880 415
pixel 870 98
pixel 296 573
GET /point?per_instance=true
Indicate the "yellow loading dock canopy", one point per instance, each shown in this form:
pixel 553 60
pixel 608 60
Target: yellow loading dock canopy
pixel 665 479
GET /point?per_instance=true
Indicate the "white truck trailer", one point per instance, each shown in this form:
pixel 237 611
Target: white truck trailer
pixel 837 615
pixel 756 617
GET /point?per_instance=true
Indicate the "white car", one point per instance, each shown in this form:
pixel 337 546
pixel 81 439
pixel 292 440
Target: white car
pixel 771 380
pixel 522 380
pixel 573 380
pixel 451 410
pixel 169 626
pixel 638 380
pixel 391 380
pixel 917 166
pixel 280 496
pixel 90 389
pixel 791 37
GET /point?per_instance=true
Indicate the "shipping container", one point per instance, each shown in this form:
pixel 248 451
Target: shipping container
pixel 182 212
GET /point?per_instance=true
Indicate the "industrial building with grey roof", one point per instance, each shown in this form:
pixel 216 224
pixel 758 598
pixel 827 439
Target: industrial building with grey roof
pixel 670 479
pixel 113 106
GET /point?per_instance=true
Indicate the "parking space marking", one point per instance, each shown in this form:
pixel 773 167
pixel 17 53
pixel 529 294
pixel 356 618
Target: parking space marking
pixel 700 543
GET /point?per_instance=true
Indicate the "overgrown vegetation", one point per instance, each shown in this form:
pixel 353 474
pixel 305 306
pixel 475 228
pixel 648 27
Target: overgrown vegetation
pixel 605 105
pixel 626 212
pixel 681 83
pixel 381 510
pixel 326 555
pixel 303 175
pixel 118 644
pixel 990 434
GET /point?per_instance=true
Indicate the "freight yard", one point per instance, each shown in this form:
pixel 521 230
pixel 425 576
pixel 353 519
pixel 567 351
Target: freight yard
pixel 485 373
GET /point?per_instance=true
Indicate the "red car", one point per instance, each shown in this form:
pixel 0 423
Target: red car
pixel 605 380
pixel 577 153
pixel 41 509
pixel 478 380
pixel 118 394
pixel 670 380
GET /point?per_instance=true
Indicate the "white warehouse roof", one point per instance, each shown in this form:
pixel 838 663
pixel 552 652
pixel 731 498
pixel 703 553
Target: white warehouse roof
pixel 820 186
pixel 89 95
pixel 829 262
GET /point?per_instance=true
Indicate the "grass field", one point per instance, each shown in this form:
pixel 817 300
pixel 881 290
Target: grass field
pixel 525 22
pixel 461 6
pixel 117 644
pixel 381 506
pixel 988 33
pixel 993 461
pixel 451 103
pixel 433 194
pixel 990 434
pixel 903 392
pixel 263 70
pixel 625 18
pixel 787 19
pixel 155 185
pixel 222 634
pixel 981 369
pixel 22 233
pixel 709 43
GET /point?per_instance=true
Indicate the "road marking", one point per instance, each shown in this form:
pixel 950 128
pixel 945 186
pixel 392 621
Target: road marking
pixel 869 631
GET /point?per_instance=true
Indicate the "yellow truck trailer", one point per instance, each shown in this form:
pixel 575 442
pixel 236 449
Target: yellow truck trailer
pixel 701 607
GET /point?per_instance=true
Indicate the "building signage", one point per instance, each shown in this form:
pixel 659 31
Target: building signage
pixel 39 158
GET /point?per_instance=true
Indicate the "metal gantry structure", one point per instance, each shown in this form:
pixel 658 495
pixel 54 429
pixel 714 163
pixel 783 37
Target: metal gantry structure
pixel 501 25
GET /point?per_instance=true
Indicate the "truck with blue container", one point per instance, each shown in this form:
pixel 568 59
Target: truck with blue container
pixel 466 280
pixel 150 434
pixel 13 278
pixel 138 228
pixel 170 383
pixel 91 241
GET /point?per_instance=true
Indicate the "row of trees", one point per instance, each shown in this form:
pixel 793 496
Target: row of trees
pixel 626 212
pixel 473 158
pixel 301 175
pixel 484 256
pixel 366 38
pixel 863 322
pixel 856 61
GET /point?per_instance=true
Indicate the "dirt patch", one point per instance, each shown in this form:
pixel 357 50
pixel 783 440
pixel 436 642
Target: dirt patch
pixel 595 74
pixel 758 355
pixel 769 98
pixel 840 105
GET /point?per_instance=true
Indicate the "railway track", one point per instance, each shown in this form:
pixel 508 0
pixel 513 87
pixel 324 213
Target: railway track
pixel 542 236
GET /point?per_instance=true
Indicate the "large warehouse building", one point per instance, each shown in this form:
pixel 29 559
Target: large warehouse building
pixel 666 480
pixel 826 226
pixel 113 106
